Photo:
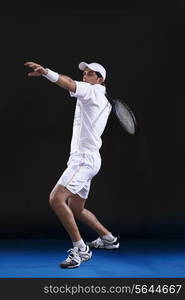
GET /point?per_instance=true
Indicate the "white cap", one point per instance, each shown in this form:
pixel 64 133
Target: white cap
pixel 93 66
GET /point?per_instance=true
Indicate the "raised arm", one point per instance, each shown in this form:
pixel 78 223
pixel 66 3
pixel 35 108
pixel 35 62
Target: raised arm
pixel 61 80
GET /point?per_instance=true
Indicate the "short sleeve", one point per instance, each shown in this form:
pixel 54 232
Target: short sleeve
pixel 83 90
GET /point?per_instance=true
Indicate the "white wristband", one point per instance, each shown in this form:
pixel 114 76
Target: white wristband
pixel 52 76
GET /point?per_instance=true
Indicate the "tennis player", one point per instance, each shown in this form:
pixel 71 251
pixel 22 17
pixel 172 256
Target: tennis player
pixel 69 195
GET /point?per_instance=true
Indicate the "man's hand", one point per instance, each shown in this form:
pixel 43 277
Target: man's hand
pixel 62 81
pixel 38 70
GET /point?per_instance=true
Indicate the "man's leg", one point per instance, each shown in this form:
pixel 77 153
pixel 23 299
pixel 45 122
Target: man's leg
pixel 76 203
pixel 80 252
pixel 58 198
pixel 106 239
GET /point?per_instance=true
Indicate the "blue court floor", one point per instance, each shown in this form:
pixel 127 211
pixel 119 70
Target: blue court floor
pixel 136 258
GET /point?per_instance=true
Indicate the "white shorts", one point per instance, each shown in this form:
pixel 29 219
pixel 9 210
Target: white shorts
pixel 81 168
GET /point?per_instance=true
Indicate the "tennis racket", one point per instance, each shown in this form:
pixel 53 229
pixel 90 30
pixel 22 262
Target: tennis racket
pixel 124 114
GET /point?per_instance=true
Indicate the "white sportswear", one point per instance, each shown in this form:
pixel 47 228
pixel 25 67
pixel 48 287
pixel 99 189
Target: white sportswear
pixel 91 115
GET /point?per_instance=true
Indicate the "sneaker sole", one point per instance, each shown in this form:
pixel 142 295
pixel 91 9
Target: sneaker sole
pixel 69 267
pixel 107 248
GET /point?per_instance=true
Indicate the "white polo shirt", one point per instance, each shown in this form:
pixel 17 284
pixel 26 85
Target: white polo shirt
pixel 90 118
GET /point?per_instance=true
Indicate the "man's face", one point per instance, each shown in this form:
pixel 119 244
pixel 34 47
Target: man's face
pixel 91 77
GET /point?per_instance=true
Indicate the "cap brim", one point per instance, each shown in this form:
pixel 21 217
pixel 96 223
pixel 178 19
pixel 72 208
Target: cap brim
pixel 82 66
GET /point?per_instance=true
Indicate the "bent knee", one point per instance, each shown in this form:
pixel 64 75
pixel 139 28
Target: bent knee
pixel 58 196
pixel 54 200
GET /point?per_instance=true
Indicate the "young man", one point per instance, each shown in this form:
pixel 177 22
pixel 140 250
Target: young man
pixel 68 197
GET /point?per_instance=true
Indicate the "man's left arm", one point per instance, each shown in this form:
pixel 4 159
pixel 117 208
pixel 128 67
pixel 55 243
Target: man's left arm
pixel 61 80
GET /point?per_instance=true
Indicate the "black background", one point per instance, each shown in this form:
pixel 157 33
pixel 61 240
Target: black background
pixel 140 188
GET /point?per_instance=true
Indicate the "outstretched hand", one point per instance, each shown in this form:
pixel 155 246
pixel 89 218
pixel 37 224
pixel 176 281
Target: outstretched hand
pixel 38 70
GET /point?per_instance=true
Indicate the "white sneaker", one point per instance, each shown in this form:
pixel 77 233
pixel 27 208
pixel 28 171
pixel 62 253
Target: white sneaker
pixel 100 243
pixel 75 257
pixel 85 254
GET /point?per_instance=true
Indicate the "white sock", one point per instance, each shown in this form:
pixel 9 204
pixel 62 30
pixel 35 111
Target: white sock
pixel 79 244
pixel 108 237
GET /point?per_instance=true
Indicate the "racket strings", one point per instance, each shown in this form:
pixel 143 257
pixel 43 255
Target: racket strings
pixel 124 114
